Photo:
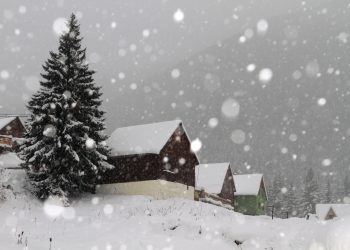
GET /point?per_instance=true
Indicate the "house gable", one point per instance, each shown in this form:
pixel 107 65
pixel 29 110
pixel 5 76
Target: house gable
pixel 329 211
pixel 12 126
pixel 175 162
pixel 228 186
pixel 11 132
pixel 262 190
pixel 330 214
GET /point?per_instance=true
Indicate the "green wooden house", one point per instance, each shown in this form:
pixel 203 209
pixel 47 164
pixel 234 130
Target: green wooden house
pixel 250 195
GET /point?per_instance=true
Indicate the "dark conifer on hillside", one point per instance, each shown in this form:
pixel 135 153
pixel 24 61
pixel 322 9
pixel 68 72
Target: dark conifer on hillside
pixel 64 151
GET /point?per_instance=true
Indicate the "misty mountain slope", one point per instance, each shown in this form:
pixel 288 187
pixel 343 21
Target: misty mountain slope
pixel 296 120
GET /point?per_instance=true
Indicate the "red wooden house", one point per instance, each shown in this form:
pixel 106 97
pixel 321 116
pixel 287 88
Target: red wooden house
pixel 11 131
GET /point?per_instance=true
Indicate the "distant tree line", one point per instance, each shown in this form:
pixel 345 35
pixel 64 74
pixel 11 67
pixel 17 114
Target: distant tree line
pixel 294 200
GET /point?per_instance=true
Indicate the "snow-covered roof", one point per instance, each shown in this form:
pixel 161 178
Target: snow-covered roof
pixel 211 176
pixel 340 210
pixel 141 139
pixel 247 184
pixel 9 160
pixel 6 120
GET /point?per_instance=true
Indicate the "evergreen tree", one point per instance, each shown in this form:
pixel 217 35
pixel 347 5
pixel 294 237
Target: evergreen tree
pixel 290 201
pixel 64 151
pixel 343 190
pixel 310 195
pixel 276 196
pixel 347 186
pixel 325 193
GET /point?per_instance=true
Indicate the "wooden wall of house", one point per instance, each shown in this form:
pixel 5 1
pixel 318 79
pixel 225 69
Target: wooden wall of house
pixel 153 166
pixel 228 187
pixel 251 204
pixel 131 168
pixel 246 204
pixel 181 161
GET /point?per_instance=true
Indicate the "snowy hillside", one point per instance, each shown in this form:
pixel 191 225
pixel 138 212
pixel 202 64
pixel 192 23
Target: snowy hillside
pixel 138 222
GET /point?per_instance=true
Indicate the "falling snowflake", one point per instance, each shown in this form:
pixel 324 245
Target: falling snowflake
pixel 67 94
pixel 175 73
pixel 133 86
pixel 293 137
pixel 53 207
pixel 196 145
pixel 242 39
pixel 238 136
pixel 60 26
pixel 90 143
pixel 50 131
pixel 230 108
pixel 146 33
pixel 262 26
pixel 113 25
pixel 213 122
pixel 251 67
pixel 265 75
pixel 284 150
pixel 313 69
pixel 322 101
pixel 4 74
pixel 178 16
pixel 326 162
pixel 22 9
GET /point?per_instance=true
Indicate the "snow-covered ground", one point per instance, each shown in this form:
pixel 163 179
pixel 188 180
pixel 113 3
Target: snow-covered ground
pixel 138 222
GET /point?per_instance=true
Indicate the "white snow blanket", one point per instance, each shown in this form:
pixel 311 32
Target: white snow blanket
pixel 141 139
pixel 211 176
pixel 9 160
pixel 138 222
pixel 247 184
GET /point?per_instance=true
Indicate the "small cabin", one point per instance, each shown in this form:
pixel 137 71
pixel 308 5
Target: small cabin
pixel 215 184
pixel 151 159
pixel 11 131
pixel 250 195
pixel 331 211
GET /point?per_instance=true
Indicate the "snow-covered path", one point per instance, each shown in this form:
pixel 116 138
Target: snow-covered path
pixel 138 222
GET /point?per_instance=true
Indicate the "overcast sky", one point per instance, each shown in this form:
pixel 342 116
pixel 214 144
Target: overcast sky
pixel 290 81
pixel 112 29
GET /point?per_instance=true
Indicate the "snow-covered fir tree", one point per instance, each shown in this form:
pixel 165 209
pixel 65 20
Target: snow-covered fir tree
pixel 276 195
pixel 325 192
pixel 64 151
pixel 290 200
pixel 346 187
pixel 310 195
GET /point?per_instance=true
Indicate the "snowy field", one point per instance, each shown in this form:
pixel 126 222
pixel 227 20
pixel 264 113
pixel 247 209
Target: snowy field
pixel 138 222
